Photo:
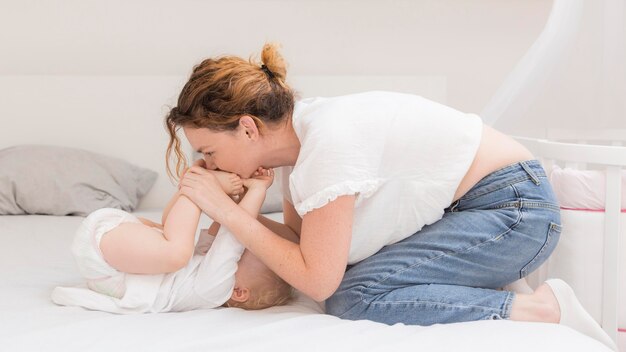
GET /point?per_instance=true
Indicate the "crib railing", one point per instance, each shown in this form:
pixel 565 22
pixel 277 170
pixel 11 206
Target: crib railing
pixel 612 159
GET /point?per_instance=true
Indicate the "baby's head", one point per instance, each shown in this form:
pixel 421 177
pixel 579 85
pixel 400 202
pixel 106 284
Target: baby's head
pixel 256 286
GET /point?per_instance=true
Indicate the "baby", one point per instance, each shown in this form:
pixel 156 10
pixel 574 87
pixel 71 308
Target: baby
pixel 133 265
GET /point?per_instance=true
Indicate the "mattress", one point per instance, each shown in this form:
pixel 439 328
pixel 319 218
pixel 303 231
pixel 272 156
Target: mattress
pixel 35 257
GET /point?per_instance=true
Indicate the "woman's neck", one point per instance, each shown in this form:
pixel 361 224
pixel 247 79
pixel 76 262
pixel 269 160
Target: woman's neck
pixel 283 146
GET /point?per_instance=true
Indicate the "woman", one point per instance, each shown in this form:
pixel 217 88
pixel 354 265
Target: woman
pixel 429 210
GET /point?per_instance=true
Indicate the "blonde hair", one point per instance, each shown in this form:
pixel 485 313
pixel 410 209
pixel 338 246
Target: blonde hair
pixel 268 291
pixel 221 90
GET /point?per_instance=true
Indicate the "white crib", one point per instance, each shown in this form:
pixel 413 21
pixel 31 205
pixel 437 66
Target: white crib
pixel 609 156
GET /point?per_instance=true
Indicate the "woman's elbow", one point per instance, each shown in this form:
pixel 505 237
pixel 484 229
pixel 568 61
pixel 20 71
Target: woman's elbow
pixel 323 290
pixel 321 295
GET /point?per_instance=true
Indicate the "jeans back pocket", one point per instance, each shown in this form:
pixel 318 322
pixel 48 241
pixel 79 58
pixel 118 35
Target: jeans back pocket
pixel 552 238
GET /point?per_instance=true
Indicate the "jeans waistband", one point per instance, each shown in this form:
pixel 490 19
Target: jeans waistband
pixel 518 172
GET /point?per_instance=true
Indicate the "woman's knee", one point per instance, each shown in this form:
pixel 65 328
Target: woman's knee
pixel 344 300
pixel 344 305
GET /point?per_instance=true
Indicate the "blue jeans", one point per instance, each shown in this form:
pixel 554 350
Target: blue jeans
pixel 450 271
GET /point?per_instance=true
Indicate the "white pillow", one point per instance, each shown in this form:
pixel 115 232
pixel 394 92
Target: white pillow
pixel 582 189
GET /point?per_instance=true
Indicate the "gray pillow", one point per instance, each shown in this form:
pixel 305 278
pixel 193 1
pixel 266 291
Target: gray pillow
pixel 53 180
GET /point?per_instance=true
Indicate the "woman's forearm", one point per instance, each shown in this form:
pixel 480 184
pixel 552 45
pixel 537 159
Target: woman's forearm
pixel 252 201
pixel 282 230
pixel 281 255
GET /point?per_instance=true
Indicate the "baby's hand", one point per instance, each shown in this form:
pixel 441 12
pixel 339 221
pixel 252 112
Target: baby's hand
pixel 231 183
pixel 261 178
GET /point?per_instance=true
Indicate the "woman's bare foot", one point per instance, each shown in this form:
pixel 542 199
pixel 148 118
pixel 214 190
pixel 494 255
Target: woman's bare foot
pixel 555 302
pixel 574 315
pixel 231 183
pixel 544 294
pixel 539 306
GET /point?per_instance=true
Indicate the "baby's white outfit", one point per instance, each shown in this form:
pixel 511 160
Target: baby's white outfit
pixel 206 282
pixel 402 155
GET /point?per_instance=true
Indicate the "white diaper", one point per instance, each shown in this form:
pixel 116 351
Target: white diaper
pixel 101 277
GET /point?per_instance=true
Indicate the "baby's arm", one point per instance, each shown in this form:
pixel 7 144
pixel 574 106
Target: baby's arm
pixel 169 206
pixel 144 249
pixel 141 249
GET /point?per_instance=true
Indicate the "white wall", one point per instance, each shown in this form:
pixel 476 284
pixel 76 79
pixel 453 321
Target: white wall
pixel 100 75
pixel 474 43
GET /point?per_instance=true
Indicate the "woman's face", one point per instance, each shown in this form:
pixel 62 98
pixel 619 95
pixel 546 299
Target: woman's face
pixel 231 151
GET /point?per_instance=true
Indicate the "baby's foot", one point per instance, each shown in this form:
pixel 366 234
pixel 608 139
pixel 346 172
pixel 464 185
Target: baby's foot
pixel 231 183
pixel 261 178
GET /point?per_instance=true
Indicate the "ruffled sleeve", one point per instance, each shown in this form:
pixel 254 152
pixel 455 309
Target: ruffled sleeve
pixel 363 189
pixel 336 158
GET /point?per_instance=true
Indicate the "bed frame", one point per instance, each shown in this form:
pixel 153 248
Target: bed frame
pixel 612 159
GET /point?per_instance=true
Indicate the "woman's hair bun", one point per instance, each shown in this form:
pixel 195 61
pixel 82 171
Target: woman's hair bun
pixel 271 57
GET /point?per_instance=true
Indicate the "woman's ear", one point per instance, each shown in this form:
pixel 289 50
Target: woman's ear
pixel 240 294
pixel 249 127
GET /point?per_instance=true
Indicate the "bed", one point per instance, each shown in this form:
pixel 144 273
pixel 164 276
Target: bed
pixel 35 255
pixel 35 258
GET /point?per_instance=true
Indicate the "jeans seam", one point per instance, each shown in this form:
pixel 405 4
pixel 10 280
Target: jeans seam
pixel 518 220
pixel 544 205
pixel 487 189
pixel 514 204
pixel 508 305
pixel 447 305
pixel 530 172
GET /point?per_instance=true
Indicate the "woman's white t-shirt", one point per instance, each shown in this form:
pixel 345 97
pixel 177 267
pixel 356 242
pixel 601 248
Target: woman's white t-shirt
pixel 402 155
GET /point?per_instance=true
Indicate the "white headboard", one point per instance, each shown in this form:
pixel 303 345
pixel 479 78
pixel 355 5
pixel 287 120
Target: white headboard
pixel 122 116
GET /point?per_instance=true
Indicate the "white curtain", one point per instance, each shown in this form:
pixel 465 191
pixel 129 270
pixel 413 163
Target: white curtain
pixel 572 77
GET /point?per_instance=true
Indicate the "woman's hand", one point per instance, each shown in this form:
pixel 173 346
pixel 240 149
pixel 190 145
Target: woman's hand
pixel 205 190
pixel 199 162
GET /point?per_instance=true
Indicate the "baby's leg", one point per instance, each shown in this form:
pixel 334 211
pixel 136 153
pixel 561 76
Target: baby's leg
pixel 141 249
pixel 231 183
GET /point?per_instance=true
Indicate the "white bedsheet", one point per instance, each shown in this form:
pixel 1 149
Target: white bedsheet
pixel 35 257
